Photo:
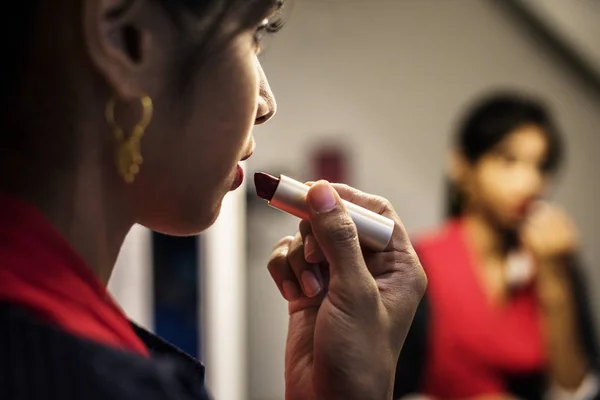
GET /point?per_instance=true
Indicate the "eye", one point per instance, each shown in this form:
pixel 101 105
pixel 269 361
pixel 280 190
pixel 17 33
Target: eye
pixel 265 28
pixel 509 158
pixel 506 157
pixel 260 32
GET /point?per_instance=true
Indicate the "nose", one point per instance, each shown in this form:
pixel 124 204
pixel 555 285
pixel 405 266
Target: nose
pixel 267 106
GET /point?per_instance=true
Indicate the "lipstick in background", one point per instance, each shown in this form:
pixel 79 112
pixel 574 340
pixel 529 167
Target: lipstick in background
pixel 331 163
pixel 289 195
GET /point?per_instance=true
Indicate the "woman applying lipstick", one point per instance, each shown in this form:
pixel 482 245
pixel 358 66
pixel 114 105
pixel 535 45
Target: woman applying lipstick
pixel 505 314
pixel 116 112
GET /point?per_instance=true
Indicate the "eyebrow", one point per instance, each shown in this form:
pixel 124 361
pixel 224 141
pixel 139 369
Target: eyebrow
pixel 276 9
pixel 264 10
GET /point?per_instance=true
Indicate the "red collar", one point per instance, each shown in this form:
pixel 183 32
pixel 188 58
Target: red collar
pixel 39 271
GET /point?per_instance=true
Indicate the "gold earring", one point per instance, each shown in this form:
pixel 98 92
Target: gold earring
pixel 129 154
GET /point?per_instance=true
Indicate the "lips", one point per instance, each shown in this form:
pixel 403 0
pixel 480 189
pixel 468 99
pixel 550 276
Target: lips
pixel 524 207
pixel 239 173
pixel 239 178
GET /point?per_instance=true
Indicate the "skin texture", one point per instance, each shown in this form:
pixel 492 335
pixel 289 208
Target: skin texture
pixel 369 298
pixel 60 156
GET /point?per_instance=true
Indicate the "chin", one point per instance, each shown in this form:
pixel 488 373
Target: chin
pixel 212 219
pixel 187 223
pixel 504 221
pixel 192 228
pixel 512 224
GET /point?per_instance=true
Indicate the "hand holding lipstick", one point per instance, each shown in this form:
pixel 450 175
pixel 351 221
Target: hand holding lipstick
pixel 550 234
pixel 350 313
pixel 552 238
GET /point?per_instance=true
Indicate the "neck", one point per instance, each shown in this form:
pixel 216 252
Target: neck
pixel 78 206
pixel 488 240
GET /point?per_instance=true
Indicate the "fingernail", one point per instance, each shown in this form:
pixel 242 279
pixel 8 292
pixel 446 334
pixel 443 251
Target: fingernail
pixel 311 249
pixel 322 198
pixel 290 290
pixel 311 284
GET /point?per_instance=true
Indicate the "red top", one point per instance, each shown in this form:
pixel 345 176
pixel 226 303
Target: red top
pixel 473 344
pixel 39 271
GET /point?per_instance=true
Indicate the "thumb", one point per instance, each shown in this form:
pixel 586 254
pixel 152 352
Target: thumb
pixel 335 233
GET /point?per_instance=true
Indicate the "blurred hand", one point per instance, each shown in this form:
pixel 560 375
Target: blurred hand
pixel 350 309
pixel 550 234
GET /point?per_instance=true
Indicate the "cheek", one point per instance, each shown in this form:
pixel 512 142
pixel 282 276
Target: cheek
pixel 198 138
pixel 229 114
pixel 492 187
pixel 194 143
pixel 224 113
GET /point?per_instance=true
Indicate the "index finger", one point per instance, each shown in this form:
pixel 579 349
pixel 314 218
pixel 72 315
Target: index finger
pixel 377 204
pixel 382 206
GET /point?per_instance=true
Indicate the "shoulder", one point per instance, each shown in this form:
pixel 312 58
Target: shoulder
pixel 38 361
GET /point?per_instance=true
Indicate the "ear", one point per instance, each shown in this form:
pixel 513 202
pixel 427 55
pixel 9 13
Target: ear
pixel 458 167
pixel 121 40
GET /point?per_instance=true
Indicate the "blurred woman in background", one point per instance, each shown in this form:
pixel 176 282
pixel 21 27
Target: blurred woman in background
pixel 505 313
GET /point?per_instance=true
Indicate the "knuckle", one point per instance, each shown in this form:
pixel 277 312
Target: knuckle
pixel 412 275
pixel 295 257
pixel 388 207
pixel 366 293
pixel 383 206
pixel 383 202
pixel 420 283
pixel 370 295
pixel 378 204
pixel 342 230
pixel 283 242
pixel 344 187
pixel 276 262
pixel 280 253
pixel 295 254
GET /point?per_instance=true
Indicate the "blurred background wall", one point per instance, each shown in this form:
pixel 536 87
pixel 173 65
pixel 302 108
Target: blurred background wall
pixel 386 81
pixel 574 22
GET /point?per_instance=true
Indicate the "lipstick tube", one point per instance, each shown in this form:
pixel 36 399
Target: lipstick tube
pixel 289 195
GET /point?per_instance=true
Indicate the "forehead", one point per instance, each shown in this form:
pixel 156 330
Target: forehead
pixel 527 140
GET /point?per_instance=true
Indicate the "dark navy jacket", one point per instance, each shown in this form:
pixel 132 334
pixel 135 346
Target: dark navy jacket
pixel 41 362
